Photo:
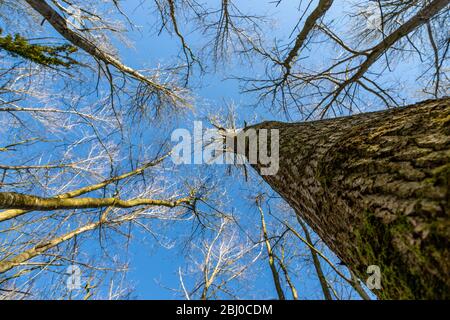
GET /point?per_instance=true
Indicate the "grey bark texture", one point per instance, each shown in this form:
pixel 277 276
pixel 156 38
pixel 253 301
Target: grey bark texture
pixel 375 188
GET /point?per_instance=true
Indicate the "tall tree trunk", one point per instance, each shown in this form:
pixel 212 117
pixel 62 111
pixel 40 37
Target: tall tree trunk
pixel 375 188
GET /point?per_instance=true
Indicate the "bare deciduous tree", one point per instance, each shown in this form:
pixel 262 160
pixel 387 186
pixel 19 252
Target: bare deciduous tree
pixel 81 165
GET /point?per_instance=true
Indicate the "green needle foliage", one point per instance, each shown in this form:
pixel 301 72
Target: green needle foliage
pixel 47 55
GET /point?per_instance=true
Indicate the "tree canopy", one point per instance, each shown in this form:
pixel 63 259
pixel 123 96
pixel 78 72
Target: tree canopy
pixel 91 92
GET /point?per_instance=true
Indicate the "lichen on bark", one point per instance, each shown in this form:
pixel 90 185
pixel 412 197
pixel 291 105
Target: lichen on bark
pixel 46 55
pixel 375 188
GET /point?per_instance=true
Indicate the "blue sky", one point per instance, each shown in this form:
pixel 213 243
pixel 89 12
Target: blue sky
pixel 154 268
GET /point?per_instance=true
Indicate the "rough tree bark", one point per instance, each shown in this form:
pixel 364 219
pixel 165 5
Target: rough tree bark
pixel 375 188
